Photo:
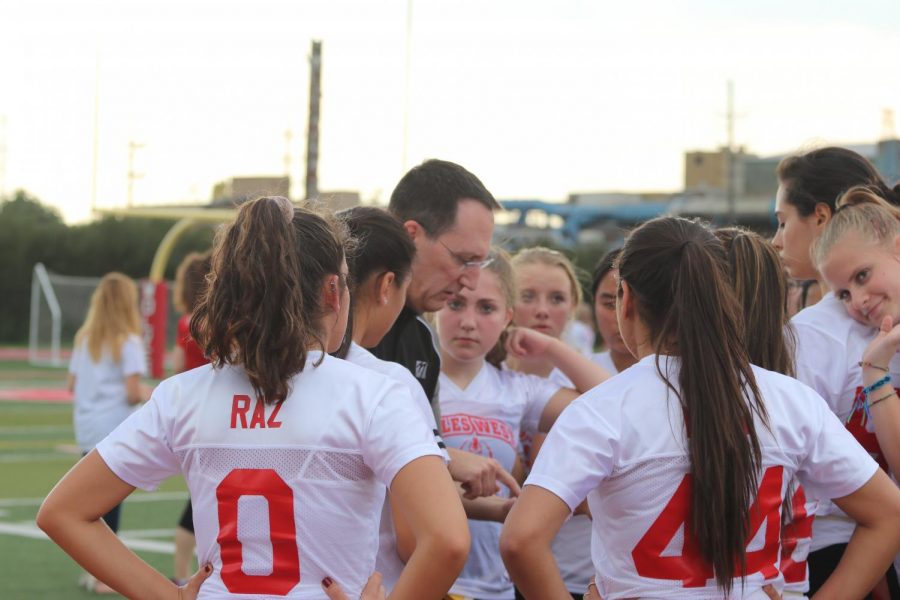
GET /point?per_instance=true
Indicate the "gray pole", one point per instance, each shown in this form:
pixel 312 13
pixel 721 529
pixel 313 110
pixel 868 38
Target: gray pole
pixel 312 134
pixel 730 159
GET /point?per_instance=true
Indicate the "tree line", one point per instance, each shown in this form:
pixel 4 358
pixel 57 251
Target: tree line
pixel 31 232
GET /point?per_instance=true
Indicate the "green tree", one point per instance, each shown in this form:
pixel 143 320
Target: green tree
pixel 29 233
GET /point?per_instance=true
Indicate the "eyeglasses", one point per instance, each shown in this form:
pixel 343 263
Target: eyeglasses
pixel 467 264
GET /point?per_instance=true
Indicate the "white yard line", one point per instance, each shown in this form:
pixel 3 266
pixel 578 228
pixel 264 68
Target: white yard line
pixel 142 497
pixel 31 531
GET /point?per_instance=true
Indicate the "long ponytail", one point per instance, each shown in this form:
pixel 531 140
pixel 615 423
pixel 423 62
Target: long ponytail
pixel 676 269
pixel 263 301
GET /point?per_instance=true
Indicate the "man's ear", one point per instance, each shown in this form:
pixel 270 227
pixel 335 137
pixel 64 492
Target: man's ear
pixel 413 229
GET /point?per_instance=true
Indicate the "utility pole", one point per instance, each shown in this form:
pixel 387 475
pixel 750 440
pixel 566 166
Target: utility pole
pixel 887 125
pixel 2 156
pixel 730 161
pixel 132 175
pixel 312 134
pixel 288 138
pixel 406 84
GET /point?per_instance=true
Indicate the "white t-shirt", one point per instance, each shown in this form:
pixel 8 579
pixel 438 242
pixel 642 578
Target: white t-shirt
pixel 580 336
pixel 285 494
pixel 388 561
pixel 604 359
pixel 830 345
pixel 101 402
pixel 485 419
pixel 572 545
pixel 624 447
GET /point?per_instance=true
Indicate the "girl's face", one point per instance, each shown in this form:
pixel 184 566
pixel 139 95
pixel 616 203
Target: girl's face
pixel 794 237
pixel 472 321
pixel 605 313
pixel 865 275
pixel 545 301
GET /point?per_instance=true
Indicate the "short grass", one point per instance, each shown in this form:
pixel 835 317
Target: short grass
pixel 37 447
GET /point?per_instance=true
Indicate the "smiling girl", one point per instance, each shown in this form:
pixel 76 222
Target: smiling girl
pixel 859 257
pixel 483 406
pixel 829 342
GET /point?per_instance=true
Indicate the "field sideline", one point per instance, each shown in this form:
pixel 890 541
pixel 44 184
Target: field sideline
pixel 37 446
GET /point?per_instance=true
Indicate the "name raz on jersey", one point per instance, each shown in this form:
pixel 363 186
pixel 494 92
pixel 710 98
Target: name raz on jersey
pixel 240 407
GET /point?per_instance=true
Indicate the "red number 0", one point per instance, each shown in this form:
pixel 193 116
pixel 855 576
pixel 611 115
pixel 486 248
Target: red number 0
pixel 282 531
pixel 689 567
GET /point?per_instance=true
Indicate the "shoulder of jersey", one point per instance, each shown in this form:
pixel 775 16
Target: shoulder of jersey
pixel 828 316
pixel 638 375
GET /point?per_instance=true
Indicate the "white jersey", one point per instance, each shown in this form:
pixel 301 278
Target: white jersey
pixel 625 449
pixel 572 545
pixel 485 419
pixel 388 561
pixel 604 359
pixel 101 401
pixel 830 345
pixel 284 494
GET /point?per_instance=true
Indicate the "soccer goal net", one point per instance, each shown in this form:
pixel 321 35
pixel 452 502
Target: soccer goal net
pixel 59 305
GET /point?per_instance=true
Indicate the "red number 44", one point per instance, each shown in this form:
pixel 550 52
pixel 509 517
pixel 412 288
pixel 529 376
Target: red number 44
pixel 689 567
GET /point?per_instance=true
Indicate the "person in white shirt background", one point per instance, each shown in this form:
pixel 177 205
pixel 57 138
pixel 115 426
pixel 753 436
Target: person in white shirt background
pixel 105 373
pixel 830 339
pixel 286 450
pixel 548 295
pixel 626 448
pixel 484 406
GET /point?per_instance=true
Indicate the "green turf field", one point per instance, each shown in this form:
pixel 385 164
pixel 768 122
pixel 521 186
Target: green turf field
pixel 37 446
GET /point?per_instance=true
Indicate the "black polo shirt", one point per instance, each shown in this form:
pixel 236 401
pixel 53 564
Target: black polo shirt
pixel 410 342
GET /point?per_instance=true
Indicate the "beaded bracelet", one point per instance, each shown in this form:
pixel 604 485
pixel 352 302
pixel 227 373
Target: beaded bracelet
pixel 865 363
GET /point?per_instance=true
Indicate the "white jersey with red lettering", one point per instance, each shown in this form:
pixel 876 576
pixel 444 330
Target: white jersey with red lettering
pixel 830 345
pixel 283 494
pixel 485 418
pixel 388 561
pixel 624 447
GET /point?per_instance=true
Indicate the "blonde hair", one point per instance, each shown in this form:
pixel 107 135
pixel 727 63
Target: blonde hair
pixel 112 317
pixel 859 210
pixel 539 255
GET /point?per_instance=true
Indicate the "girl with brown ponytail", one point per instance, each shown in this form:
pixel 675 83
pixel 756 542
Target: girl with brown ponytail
pixel 685 457
pixel 286 450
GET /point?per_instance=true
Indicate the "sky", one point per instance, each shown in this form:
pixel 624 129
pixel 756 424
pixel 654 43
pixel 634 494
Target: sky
pixel 537 98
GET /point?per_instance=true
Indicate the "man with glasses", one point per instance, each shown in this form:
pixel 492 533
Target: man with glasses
pixel 449 216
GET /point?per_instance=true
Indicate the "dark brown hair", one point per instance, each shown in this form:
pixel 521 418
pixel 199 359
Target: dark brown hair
pixel 264 291
pixel 430 193
pixel 822 175
pixel 761 286
pixel 381 245
pixel 190 281
pixel 676 271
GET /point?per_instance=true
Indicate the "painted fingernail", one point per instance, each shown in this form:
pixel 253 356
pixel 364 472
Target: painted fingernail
pixel 326 583
pixel 207 569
